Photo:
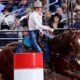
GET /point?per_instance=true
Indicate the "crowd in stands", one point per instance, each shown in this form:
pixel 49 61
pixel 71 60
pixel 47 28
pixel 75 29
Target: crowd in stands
pixel 55 16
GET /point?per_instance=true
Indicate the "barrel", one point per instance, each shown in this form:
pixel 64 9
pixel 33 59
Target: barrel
pixel 28 66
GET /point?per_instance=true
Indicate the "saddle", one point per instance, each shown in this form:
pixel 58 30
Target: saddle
pixel 27 42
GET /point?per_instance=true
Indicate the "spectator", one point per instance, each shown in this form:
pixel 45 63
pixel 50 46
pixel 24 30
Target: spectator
pixel 46 17
pixel 53 7
pixel 55 22
pixel 77 23
pixel 23 4
pixel 10 4
pixel 8 19
pixel 1 6
pixel 65 8
pixel 1 19
pixel 20 28
pixel 24 19
pixel 59 10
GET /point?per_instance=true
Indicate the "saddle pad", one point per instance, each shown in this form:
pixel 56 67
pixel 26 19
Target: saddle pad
pixel 26 42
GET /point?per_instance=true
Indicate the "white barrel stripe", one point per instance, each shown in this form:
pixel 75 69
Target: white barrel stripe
pixel 28 74
pixel 28 66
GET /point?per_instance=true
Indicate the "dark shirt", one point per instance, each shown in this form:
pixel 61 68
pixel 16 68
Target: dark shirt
pixel 60 25
pixel 77 25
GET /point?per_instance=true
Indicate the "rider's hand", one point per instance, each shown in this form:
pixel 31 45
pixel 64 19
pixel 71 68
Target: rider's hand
pixel 41 33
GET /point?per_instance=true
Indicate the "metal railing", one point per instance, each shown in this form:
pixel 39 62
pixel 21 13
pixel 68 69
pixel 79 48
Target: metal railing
pixel 11 39
pixel 27 30
pixel 51 3
pixel 22 31
pixel 6 40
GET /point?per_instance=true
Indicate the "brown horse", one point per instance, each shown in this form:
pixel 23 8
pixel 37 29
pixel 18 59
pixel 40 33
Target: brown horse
pixel 6 62
pixel 65 48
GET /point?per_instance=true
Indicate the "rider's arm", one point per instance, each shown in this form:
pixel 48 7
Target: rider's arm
pixel 38 23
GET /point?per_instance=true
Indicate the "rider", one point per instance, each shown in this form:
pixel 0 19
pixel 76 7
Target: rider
pixel 36 27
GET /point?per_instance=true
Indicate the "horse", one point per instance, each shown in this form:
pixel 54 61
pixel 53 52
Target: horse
pixel 6 60
pixel 64 50
pixel 64 53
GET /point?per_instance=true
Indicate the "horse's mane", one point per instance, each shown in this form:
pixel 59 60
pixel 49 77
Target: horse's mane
pixel 62 43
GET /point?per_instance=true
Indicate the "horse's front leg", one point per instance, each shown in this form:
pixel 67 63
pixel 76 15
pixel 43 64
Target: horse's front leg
pixel 72 74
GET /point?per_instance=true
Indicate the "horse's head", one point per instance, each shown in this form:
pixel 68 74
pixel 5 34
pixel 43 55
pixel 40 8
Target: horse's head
pixel 67 43
pixel 75 41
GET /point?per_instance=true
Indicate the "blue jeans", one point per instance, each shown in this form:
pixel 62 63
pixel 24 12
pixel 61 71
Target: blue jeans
pixel 48 36
pixel 33 37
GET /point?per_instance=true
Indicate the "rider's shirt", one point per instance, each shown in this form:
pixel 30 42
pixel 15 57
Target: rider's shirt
pixel 35 22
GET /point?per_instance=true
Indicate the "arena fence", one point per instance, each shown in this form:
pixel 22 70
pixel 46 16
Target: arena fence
pixel 5 38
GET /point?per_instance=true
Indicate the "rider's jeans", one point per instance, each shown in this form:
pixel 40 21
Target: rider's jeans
pixel 33 37
pixel 48 36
